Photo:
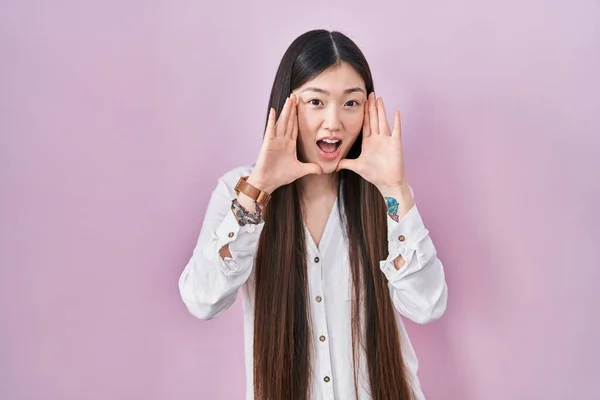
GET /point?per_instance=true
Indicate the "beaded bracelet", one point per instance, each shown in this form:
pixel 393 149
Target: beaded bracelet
pixel 244 216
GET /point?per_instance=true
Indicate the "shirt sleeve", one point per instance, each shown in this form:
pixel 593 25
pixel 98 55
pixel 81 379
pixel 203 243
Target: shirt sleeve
pixel 419 290
pixel 209 284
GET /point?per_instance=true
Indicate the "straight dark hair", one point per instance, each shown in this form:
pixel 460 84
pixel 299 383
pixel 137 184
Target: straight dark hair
pixel 282 328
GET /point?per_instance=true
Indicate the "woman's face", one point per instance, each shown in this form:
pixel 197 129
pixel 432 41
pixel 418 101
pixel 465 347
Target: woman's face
pixel 330 115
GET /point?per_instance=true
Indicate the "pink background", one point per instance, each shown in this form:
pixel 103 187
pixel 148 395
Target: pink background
pixel 116 119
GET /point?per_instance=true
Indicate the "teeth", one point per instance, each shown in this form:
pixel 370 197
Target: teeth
pixel 330 140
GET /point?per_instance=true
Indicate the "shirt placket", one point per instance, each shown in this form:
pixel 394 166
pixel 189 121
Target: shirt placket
pixel 320 332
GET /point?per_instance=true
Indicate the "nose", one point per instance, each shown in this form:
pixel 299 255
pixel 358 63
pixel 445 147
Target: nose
pixel 332 120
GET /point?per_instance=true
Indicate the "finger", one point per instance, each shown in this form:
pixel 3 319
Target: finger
pixel 366 124
pixel 295 126
pixel 384 126
pixel 270 130
pixel 283 117
pixel 348 163
pixel 292 118
pixel 373 115
pixel 397 128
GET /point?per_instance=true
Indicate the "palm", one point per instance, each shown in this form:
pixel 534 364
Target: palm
pixel 278 158
pixel 381 159
pixel 279 154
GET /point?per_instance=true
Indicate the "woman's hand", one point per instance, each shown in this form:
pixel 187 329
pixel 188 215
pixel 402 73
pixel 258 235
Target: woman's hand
pixel 277 163
pixel 381 161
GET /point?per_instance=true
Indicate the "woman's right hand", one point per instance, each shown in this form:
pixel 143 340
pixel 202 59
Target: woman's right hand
pixel 277 163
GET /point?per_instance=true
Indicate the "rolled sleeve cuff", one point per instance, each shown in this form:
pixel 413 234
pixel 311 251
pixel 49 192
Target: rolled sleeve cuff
pixel 242 241
pixel 402 239
pixel 227 231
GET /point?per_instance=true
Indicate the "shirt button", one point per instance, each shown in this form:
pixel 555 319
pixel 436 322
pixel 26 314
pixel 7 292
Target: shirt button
pixel 401 238
pixel 318 299
pixel 316 259
pixel 322 338
pixel 231 234
pixel 326 379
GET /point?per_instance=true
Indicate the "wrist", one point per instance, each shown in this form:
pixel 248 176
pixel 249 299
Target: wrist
pixel 259 182
pixel 249 213
pixel 403 196
pixel 401 191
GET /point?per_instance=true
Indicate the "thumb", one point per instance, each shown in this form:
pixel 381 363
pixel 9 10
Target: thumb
pixel 348 163
pixel 309 168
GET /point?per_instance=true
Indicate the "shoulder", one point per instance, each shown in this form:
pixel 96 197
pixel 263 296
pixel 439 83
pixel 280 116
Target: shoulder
pixel 233 175
pixel 230 178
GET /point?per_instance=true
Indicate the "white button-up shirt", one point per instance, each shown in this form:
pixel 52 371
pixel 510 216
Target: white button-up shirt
pixel 209 285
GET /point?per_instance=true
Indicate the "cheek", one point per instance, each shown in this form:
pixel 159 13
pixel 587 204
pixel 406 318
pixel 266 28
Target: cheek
pixel 354 123
pixel 307 126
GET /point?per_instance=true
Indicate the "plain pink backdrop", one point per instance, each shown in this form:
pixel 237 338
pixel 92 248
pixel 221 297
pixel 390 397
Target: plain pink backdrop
pixel 117 118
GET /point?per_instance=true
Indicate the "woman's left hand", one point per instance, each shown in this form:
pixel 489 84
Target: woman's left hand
pixel 381 161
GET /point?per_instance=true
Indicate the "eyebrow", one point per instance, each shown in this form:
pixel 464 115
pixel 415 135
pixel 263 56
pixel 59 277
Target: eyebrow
pixel 319 90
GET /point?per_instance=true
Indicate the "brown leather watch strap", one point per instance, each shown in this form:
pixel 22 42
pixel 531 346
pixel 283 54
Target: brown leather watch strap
pixel 262 198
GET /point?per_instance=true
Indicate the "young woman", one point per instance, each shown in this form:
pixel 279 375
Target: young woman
pixel 322 239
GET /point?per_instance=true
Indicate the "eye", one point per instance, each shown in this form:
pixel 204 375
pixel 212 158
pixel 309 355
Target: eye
pixel 315 102
pixel 355 103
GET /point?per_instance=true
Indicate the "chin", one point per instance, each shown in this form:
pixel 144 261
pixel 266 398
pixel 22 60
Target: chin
pixel 329 167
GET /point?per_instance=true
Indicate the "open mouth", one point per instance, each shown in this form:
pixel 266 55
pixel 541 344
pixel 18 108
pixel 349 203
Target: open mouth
pixel 329 146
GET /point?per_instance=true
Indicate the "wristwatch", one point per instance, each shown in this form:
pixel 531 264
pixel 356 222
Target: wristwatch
pixel 260 197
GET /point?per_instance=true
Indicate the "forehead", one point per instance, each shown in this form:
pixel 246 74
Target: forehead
pixel 336 79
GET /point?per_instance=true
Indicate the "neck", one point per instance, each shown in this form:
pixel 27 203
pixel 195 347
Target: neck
pixel 315 187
